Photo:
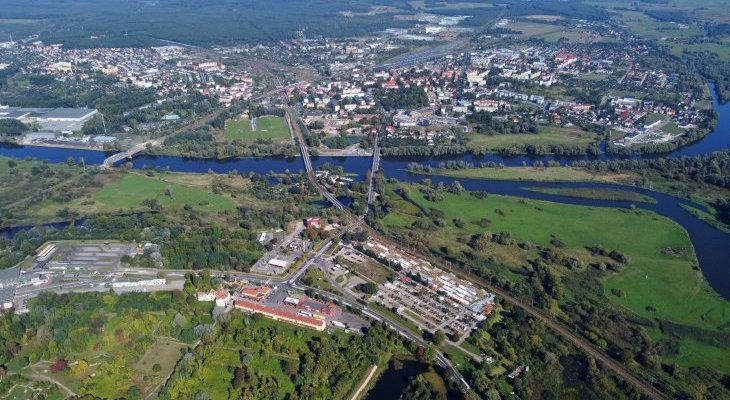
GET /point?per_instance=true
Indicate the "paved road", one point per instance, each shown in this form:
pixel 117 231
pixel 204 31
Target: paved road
pixel 373 170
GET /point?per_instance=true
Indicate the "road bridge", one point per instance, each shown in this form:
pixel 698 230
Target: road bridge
pixel 373 171
pixel 129 154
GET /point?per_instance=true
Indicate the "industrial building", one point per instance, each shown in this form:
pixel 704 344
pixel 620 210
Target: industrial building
pixel 8 281
pixel 279 315
pixel 50 119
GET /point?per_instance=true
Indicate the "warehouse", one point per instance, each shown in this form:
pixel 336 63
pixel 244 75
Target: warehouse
pixel 50 119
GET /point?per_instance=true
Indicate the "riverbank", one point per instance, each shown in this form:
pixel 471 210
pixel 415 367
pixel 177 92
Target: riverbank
pixel 596 193
pixel 542 174
pixel 698 192
pixel 634 259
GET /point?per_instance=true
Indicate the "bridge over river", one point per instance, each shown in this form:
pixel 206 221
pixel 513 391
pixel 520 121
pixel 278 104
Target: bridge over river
pixel 112 160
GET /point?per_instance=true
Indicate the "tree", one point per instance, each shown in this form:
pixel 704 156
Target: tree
pixel 369 288
pixel 59 366
pixel 439 337
pixel 79 368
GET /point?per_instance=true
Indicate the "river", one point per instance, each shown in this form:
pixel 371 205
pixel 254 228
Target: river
pixel 711 245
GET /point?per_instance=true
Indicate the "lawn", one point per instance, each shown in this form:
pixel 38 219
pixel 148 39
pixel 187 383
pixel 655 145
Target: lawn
pixel 547 136
pixel 371 270
pixel 268 127
pixel 595 193
pixel 530 29
pixel 165 352
pixel 556 174
pixel 666 282
pixel 128 193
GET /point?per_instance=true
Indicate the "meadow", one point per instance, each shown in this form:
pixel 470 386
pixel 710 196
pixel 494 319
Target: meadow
pixel 267 127
pixel 132 191
pixel 546 136
pixel 656 284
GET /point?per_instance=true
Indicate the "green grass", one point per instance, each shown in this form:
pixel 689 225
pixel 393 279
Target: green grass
pixel 371 270
pixel 399 319
pixel 132 189
pixel 268 127
pixel 595 193
pixel 546 136
pixel 461 360
pixel 553 174
pixel 668 282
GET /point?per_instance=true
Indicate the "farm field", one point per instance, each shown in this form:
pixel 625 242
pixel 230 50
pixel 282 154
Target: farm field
pixel 658 285
pixel 267 127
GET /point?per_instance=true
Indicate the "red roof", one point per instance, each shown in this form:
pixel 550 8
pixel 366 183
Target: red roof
pixel 256 292
pixel 222 294
pixel 273 312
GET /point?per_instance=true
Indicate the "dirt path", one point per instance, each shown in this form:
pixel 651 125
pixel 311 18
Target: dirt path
pixel 54 381
pixel 365 383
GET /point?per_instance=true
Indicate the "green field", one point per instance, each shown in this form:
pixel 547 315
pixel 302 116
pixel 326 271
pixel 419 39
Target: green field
pixel 595 193
pixel 133 192
pixel 133 189
pixel 653 278
pixel 268 127
pixel 555 174
pixel 547 136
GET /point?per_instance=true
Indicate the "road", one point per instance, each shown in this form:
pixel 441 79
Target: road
pixel 365 383
pixel 373 170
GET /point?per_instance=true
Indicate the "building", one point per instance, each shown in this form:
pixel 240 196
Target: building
pixel 8 282
pixel 256 293
pixel 222 297
pixel 314 222
pixel 205 296
pixel 275 262
pixel 149 282
pixel 50 119
pixel 46 252
pixel 279 315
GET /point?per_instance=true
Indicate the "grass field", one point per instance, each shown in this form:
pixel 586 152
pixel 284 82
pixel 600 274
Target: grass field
pixel 530 29
pixel 133 189
pixel 667 282
pixel 371 270
pixel 595 193
pixel 128 192
pixel 547 136
pixel 554 174
pixel 268 127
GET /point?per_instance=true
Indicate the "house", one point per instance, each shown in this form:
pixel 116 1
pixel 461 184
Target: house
pixel 222 297
pixel 486 105
pixel 275 262
pixel 314 222
pixel 205 296
pixel 256 293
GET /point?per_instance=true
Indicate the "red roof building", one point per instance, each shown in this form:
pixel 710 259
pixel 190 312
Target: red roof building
pixel 314 222
pixel 279 315
pixel 256 293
